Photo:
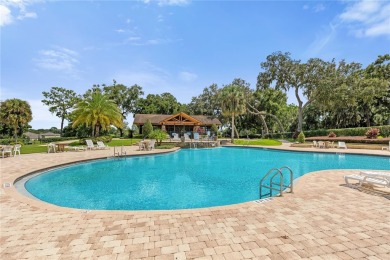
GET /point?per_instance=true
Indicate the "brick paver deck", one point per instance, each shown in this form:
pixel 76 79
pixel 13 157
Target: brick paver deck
pixel 322 219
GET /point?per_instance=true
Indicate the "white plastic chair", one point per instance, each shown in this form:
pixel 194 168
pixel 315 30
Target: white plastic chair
pixel 151 145
pixel 7 150
pixel 17 149
pixel 51 148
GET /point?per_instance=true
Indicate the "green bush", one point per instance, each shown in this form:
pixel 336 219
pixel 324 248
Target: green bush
pixel 159 135
pixel 56 139
pixel 301 137
pixel 357 131
pixel 147 129
pixel 165 146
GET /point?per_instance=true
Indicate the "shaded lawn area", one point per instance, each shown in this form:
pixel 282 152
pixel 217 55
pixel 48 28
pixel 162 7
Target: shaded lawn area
pixel 265 142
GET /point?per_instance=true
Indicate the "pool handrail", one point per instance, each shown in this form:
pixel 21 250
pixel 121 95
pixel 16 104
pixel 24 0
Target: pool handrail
pixel 281 186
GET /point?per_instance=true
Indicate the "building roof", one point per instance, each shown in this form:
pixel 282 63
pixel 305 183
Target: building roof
pixel 32 135
pixel 50 134
pixel 156 119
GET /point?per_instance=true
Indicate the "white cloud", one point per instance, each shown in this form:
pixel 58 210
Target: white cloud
pixel 8 8
pixel 138 41
pixel 58 58
pixel 187 76
pixel 173 2
pixel 324 37
pixel 367 18
pixel 168 2
pixel 316 8
pixel 5 15
pixel 319 8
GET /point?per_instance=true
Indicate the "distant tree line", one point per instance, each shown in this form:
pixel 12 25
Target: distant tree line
pixel 328 94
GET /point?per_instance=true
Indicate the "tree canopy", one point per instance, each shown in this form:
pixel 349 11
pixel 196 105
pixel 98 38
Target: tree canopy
pixel 16 114
pixel 60 102
pixel 97 111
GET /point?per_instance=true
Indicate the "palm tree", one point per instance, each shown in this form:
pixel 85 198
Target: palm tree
pixel 97 111
pixel 233 103
pixel 15 114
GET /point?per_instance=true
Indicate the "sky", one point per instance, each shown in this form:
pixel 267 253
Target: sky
pixel 175 46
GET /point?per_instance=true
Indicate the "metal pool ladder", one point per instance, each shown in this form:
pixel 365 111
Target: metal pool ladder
pixel 276 186
pixel 118 153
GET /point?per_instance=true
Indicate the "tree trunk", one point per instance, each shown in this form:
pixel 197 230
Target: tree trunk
pixel 97 132
pixel 232 134
pixel 300 118
pixel 368 118
pixel 264 124
pixel 16 133
pixel 235 129
pixel 300 110
pixel 120 132
pixel 62 125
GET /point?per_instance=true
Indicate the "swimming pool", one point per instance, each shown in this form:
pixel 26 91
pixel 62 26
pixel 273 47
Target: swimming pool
pixel 189 178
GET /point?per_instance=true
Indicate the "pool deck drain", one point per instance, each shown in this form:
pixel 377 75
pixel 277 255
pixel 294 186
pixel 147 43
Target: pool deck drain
pixel 322 219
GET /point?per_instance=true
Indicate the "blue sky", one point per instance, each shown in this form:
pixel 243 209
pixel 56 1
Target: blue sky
pixel 176 46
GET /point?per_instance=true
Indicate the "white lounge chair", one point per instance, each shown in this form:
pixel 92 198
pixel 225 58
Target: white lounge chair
pixel 369 177
pixel 101 145
pixel 175 137
pixel 321 144
pixel 342 145
pixel 196 137
pixel 187 138
pixel 315 144
pixel 386 147
pixel 90 145
pixel 7 150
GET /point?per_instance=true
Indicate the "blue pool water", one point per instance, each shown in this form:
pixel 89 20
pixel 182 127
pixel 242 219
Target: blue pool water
pixel 189 178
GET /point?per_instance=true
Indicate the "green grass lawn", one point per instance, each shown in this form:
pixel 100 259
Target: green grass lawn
pixel 33 148
pixel 42 148
pixel 266 142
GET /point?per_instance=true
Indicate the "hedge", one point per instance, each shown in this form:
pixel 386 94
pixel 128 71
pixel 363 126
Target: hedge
pixel 358 131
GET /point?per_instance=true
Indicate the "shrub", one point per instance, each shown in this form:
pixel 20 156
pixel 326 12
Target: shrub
pixel 332 134
pixel 214 129
pixel 372 133
pixel 301 137
pixel 147 129
pixel 165 146
pixel 159 135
